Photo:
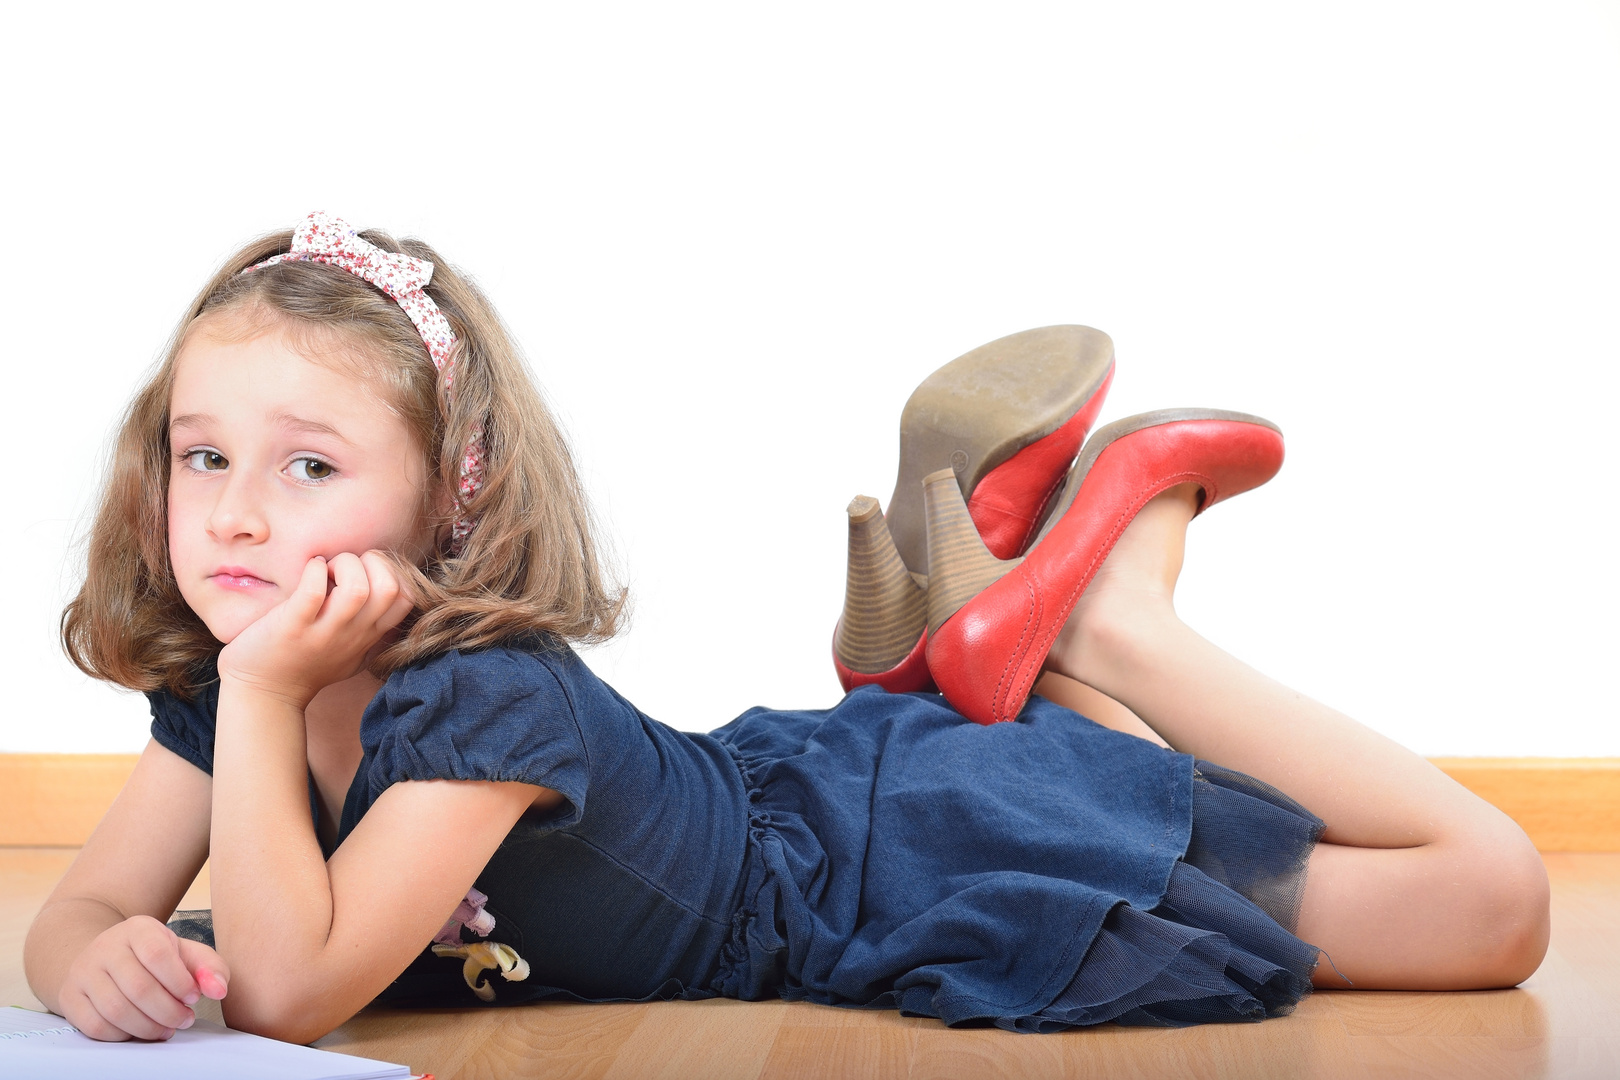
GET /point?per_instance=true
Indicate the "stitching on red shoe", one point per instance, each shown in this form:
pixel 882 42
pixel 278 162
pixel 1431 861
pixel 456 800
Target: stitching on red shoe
pixel 1040 515
pixel 998 699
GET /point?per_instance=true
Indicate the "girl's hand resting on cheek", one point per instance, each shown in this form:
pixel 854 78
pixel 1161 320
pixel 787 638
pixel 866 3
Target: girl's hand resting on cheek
pixel 319 635
pixel 138 979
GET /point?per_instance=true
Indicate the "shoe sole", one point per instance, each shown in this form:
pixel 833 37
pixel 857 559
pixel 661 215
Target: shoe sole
pixel 1108 434
pixel 978 411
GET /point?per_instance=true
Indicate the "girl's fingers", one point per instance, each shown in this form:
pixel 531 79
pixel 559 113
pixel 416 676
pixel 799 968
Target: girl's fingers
pixel 384 608
pixel 158 950
pixel 147 994
pixel 306 600
pixel 396 612
pixel 350 589
pixel 80 1011
pixel 209 968
pixel 213 984
pixel 122 1013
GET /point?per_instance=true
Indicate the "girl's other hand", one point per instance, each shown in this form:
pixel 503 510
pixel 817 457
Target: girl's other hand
pixel 322 633
pixel 138 979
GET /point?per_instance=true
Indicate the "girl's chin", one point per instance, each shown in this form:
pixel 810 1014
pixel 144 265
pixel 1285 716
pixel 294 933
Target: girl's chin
pixel 226 627
pixel 225 634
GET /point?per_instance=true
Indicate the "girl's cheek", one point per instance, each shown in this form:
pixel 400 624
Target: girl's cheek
pixel 363 529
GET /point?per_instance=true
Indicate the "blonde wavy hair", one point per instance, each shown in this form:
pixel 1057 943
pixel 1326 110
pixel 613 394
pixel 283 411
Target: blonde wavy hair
pixel 531 566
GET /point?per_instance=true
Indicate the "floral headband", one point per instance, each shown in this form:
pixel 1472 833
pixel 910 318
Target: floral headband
pixel 323 238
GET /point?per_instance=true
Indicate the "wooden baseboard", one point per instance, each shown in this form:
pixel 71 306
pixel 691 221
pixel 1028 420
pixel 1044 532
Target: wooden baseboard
pixel 55 800
pixel 1565 804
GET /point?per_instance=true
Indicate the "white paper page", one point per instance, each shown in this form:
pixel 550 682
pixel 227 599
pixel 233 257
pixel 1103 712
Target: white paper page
pixel 39 1046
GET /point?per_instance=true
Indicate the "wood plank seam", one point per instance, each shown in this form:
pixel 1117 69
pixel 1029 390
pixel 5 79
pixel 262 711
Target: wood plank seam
pixel 1565 804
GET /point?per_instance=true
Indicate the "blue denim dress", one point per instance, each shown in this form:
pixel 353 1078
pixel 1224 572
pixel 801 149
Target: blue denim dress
pixel 883 853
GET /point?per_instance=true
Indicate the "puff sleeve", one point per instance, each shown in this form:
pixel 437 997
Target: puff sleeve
pixel 186 728
pixel 496 714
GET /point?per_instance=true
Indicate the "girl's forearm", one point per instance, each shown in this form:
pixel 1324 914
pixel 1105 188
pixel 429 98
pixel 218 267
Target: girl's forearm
pixel 60 932
pixel 272 896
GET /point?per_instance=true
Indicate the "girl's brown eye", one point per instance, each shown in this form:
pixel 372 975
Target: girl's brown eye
pixel 207 460
pixel 311 469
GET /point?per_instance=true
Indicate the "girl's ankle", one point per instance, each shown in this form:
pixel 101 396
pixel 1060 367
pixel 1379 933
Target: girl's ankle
pixel 1109 634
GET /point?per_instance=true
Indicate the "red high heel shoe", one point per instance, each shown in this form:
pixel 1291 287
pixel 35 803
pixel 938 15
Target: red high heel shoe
pixel 991 623
pixel 1007 419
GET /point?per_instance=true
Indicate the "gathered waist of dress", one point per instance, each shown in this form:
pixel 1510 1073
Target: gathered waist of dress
pixel 754 963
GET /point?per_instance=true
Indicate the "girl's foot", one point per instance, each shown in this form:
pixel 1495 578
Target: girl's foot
pixel 1131 599
pixel 992 625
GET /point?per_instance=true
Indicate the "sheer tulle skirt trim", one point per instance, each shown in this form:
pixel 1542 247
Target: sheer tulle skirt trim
pixel 1220 946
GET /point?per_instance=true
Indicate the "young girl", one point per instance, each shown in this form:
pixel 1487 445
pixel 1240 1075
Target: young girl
pixel 343 548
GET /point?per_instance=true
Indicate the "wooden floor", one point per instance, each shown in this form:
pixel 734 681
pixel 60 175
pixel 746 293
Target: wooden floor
pixel 1564 1022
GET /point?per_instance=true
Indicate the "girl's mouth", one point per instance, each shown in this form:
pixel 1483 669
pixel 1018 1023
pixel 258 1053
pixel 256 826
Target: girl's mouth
pixel 235 577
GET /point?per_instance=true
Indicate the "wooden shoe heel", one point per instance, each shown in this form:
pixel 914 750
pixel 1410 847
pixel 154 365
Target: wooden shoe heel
pixel 963 565
pixel 885 609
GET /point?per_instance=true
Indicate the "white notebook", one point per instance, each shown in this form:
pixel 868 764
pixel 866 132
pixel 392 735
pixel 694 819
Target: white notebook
pixel 40 1045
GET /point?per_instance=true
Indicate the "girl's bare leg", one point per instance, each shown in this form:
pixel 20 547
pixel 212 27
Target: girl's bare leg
pixel 1094 706
pixel 1417 884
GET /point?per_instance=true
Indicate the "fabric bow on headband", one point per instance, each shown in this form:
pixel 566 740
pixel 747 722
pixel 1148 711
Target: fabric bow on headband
pixel 323 238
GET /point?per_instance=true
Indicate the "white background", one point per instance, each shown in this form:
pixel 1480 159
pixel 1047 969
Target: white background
pixel 731 239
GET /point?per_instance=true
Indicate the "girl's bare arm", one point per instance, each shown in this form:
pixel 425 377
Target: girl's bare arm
pixel 311 942
pixel 138 863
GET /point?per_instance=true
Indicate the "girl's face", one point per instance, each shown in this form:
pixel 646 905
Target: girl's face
pixel 278 459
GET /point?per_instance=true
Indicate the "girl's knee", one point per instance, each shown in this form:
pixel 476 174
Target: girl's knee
pixel 1511 905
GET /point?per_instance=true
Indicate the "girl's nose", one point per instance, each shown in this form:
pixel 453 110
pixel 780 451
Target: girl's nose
pixel 238 512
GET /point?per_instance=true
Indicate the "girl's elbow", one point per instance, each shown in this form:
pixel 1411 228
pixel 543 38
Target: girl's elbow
pixel 292 1017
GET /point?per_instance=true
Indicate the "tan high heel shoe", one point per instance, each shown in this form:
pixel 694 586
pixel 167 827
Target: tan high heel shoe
pixel 1007 420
